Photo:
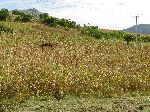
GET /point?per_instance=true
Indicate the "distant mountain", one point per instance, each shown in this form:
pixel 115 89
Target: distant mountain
pixel 34 12
pixel 141 28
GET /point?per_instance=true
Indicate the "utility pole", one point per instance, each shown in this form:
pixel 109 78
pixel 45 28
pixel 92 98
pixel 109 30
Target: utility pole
pixel 136 17
pixel 136 28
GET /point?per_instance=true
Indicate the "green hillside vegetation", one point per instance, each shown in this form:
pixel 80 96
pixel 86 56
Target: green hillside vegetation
pixel 58 58
pixel 92 31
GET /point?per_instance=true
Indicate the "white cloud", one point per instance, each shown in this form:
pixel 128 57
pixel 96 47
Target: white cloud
pixel 104 13
pixel 116 14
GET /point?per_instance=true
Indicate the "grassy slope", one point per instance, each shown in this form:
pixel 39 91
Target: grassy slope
pixel 75 64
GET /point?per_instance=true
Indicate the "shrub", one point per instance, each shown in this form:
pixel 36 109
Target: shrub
pixel 23 17
pixel 128 38
pixel 146 39
pixel 51 21
pixel 92 31
pixel 16 12
pixel 66 23
pixel 116 34
pixel 43 16
pixel 4 14
pixel 5 29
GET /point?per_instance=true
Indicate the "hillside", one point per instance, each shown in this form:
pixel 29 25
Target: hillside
pixel 54 64
pixel 142 28
pixel 64 68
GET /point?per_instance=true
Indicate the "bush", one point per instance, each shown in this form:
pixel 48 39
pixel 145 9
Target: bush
pixel 43 16
pixel 116 34
pixel 146 39
pixel 16 12
pixel 23 17
pixel 5 29
pixel 92 31
pixel 62 22
pixel 128 38
pixel 66 23
pixel 4 14
pixel 51 21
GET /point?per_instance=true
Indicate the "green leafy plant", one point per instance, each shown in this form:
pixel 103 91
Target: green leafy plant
pixel 66 23
pixel 23 17
pixel 51 21
pixel 92 31
pixel 43 16
pixel 128 38
pixel 5 29
pixel 146 39
pixel 16 12
pixel 4 14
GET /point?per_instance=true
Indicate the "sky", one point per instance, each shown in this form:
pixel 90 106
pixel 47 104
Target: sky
pixel 107 14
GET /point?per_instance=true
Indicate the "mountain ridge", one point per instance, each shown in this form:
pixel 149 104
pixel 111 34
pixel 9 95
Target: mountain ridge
pixel 141 28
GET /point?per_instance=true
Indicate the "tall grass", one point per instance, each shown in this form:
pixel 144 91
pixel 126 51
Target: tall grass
pixel 77 65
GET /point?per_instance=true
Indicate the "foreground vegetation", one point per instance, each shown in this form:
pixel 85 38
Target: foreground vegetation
pixel 74 104
pixel 42 61
pixel 73 64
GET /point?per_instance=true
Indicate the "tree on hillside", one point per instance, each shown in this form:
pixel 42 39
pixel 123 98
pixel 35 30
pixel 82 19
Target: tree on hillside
pixel 128 38
pixel 92 31
pixel 16 12
pixel 66 23
pixel 51 21
pixel 4 14
pixel 43 17
pixel 23 17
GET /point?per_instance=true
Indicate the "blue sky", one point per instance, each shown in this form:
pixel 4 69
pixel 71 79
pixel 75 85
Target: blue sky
pixel 109 14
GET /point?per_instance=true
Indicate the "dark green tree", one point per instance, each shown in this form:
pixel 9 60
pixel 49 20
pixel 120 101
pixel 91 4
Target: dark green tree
pixel 16 12
pixel 92 31
pixel 24 17
pixel 66 23
pixel 51 21
pixel 43 17
pixel 128 38
pixel 4 14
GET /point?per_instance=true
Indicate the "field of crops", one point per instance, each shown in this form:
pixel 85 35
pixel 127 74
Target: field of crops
pixel 36 60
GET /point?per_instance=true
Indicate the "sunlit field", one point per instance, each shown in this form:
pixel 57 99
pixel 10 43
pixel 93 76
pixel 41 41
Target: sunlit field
pixel 69 63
